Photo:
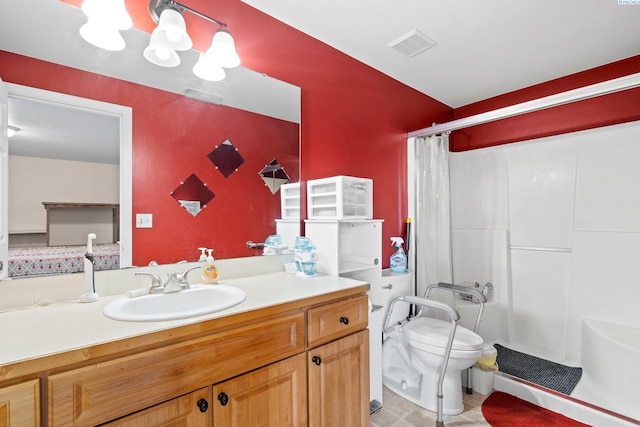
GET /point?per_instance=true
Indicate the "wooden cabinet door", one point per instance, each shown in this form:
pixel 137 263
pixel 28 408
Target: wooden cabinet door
pixel 20 405
pixel 339 382
pixel 192 409
pixel 273 396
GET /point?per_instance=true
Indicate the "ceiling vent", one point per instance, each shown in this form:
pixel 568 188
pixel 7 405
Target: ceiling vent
pixel 210 97
pixel 412 43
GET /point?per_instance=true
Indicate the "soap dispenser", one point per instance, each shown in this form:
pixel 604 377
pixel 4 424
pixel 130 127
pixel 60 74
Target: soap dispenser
pixel 210 272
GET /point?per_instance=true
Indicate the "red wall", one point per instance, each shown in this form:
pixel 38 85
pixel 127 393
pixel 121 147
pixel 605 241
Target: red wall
pixel 605 110
pixel 354 122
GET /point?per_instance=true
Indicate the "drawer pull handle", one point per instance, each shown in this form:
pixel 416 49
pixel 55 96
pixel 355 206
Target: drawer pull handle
pixel 223 398
pixel 344 320
pixel 203 405
pixel 389 286
pixel 316 360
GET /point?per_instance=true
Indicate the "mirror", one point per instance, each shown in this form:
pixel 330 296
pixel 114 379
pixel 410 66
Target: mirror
pixel 174 129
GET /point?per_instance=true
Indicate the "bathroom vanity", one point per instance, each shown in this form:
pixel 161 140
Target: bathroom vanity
pixel 296 352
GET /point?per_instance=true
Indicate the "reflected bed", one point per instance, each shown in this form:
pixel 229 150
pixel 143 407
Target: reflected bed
pixel 37 261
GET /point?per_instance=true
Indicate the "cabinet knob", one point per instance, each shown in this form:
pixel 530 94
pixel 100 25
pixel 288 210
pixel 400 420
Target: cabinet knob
pixel 203 405
pixel 344 320
pixel 316 360
pixel 223 398
pixel 389 286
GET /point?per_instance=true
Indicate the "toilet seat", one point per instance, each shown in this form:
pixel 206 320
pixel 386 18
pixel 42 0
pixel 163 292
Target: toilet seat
pixel 432 335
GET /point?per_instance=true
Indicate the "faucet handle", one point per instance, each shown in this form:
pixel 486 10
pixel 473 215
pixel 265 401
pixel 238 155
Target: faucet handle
pixel 156 281
pixel 188 270
pixel 179 279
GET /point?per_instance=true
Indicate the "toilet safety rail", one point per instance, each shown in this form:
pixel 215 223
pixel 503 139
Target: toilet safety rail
pixel 453 317
pixel 477 296
pixel 463 290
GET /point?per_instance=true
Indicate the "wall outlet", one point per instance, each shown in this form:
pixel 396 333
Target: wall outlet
pixel 144 220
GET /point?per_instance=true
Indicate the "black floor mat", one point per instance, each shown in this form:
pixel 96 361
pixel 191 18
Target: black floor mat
pixel 543 372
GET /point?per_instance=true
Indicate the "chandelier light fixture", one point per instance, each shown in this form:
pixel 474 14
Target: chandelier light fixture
pixel 107 18
pixel 171 35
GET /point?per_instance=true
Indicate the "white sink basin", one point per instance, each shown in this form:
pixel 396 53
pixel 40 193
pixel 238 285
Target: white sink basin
pixel 199 300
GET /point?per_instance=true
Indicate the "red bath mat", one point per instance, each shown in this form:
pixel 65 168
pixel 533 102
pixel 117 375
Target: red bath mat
pixel 503 410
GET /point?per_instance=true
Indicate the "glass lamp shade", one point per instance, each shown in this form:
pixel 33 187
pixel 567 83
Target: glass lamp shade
pixel 101 35
pixel 223 49
pixel 208 69
pixel 171 32
pixel 112 13
pixel 157 53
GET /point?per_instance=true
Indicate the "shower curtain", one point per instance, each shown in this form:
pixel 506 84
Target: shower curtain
pixel 432 224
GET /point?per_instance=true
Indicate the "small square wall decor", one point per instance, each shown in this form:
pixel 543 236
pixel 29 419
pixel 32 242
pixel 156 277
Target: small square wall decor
pixel 226 158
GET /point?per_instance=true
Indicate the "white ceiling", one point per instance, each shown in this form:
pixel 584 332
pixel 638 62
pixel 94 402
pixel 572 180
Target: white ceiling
pixel 483 48
pixel 60 132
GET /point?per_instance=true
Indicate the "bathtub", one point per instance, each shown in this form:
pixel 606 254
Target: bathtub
pixel 606 395
pixel 610 355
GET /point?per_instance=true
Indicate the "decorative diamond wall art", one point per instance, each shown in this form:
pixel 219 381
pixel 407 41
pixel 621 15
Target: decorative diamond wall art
pixel 193 194
pixel 226 158
pixel 273 176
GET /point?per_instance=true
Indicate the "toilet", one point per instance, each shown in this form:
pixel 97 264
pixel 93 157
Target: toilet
pixel 412 355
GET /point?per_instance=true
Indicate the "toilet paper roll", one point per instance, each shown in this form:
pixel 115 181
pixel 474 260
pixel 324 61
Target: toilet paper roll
pixel 360 259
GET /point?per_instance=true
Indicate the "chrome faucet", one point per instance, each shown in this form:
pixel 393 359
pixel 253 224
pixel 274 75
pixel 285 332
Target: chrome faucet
pixel 156 282
pixel 176 282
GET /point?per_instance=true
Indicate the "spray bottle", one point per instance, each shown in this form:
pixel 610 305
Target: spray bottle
pixel 398 260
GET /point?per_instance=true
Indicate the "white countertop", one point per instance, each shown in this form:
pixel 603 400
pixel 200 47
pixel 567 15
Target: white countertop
pixel 42 331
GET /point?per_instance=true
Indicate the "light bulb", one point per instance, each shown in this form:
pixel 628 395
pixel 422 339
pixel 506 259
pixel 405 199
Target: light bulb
pixel 162 53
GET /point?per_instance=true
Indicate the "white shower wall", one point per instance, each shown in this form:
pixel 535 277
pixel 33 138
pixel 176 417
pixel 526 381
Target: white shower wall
pixel 554 224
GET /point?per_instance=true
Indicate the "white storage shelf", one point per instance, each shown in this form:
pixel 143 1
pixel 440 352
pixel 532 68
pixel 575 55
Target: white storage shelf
pixel 346 246
pixel 290 201
pixel 340 197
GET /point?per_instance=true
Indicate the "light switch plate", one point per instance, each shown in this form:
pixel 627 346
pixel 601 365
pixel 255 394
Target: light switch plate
pixel 144 220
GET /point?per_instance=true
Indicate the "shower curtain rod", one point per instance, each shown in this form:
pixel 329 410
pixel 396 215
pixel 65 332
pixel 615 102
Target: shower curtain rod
pixel 591 91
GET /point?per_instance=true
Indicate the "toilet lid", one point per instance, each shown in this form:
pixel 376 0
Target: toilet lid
pixel 435 332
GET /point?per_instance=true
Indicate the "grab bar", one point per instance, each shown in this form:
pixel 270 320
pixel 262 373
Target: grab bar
pixel 453 316
pixel 475 293
pixel 481 298
pixel 252 245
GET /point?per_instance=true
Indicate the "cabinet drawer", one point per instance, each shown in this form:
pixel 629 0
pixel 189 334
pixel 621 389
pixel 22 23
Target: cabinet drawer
pixel 332 321
pixel 102 392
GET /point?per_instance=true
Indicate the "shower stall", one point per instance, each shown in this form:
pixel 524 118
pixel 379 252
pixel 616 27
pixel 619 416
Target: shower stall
pixel 554 225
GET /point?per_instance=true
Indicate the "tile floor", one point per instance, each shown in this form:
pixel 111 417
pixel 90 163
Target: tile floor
pixel 398 412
